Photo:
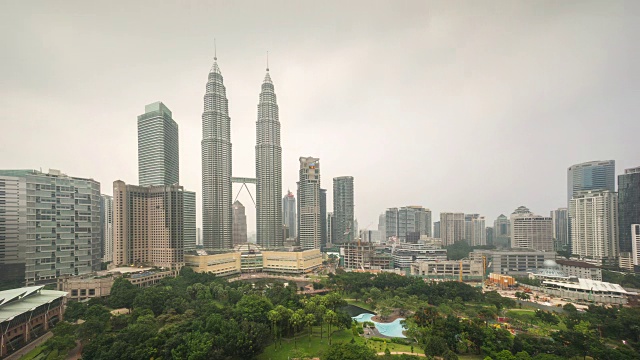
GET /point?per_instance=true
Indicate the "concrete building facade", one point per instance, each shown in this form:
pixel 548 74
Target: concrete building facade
pixel 628 206
pixel 529 231
pixel 289 214
pixel 158 147
pixel 106 216
pixel 560 218
pixel 343 209
pixel 516 262
pixel 594 224
pixel 451 227
pixel 309 222
pixel 239 224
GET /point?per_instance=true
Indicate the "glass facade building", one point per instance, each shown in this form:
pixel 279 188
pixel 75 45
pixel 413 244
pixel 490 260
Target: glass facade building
pixel 628 206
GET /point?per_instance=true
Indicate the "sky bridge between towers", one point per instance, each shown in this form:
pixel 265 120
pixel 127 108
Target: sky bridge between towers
pixel 244 181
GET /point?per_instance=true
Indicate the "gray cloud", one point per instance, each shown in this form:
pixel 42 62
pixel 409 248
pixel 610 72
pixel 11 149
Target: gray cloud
pixel 475 106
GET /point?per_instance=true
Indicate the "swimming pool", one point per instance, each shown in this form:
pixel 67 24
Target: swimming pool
pixel 392 329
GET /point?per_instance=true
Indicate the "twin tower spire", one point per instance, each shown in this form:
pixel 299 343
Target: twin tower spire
pixel 217 166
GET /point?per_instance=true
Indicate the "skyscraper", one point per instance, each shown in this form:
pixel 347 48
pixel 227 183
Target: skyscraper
pixel 343 210
pixel 148 225
pixel 635 246
pixel 628 206
pixel 106 219
pixel 268 169
pixel 413 222
pixel 289 214
pixel 592 175
pixel 62 234
pixel 474 229
pixel 189 216
pixel 323 218
pixel 382 226
pixel 502 232
pixel 239 224
pixel 594 224
pixel 329 229
pixel 216 164
pixel 436 229
pixel 489 231
pixel 529 231
pixel 158 148
pixel 309 222
pixel 561 228
pixel 451 227
pixel 391 222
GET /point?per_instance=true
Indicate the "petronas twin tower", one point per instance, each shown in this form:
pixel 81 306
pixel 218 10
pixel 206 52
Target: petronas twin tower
pixel 217 165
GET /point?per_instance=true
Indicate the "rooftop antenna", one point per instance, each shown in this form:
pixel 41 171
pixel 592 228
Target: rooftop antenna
pixel 267 60
pixel 215 51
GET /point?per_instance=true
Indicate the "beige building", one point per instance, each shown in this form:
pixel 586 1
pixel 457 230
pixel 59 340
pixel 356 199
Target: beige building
pixel 529 231
pixel 249 258
pixel 580 269
pixel 148 225
pixel 449 270
pixel 451 227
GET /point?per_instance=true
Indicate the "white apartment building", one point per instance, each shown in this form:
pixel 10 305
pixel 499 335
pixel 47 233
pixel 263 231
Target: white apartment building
pixel 529 231
pixel 594 224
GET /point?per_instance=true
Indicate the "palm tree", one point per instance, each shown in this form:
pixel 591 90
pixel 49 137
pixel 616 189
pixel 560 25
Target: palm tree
pixel 295 321
pixel 274 316
pixel 330 318
pixel 309 320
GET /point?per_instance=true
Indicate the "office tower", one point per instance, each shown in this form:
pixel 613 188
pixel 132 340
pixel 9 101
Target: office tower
pixel 329 229
pixel 529 231
pixel 423 220
pixel 382 226
pixel 158 150
pixel 198 237
pixel 289 214
pixel 502 232
pixel 58 224
pixel 268 169
pixel 309 223
pixel 216 164
pixel 148 225
pixel 106 219
pixel 189 215
pixel 474 230
pixel 561 228
pixel 323 218
pixel 13 225
pixel 594 224
pixel 451 227
pixel 489 236
pixel 239 224
pixel 592 175
pixel 635 246
pixel 355 229
pixel 436 229
pixel 628 206
pixel 391 225
pixel 407 225
pixel 343 210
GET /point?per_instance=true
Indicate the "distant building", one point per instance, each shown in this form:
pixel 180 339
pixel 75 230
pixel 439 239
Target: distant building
pixel 560 219
pixel 474 229
pixel 515 262
pixel 289 214
pixel 382 227
pixel 106 219
pixel 330 229
pixel 594 223
pixel 635 242
pixel 189 213
pixel 63 233
pixel 628 206
pixel 199 236
pixel 366 256
pixel 406 254
pixel 451 270
pixel 502 232
pixel 436 230
pixel 489 236
pixel 158 148
pixel 309 222
pixel 529 231
pixel 580 269
pixel 391 222
pixel 451 227
pixel 148 222
pixel 239 224
pixel 343 209
pixel 323 219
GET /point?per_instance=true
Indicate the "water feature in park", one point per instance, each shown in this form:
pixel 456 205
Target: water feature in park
pixel 392 329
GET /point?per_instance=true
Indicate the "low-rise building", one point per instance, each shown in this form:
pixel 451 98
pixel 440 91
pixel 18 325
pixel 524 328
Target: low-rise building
pixel 27 313
pixel 518 262
pixel 404 254
pixel 585 290
pixel 455 270
pixel 365 256
pixel 291 262
pixel 580 269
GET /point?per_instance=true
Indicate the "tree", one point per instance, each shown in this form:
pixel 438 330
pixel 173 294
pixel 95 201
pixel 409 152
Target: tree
pixel 296 320
pixel 123 294
pixel 309 320
pixel 254 308
pixel 523 355
pixel 435 346
pixel 349 351
pixel 330 318
pixel 275 317
pixel 505 355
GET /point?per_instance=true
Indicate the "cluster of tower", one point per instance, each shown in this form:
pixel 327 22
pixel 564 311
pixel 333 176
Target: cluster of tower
pixel 217 208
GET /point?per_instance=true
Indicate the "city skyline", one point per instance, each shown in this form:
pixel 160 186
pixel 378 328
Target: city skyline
pixel 339 97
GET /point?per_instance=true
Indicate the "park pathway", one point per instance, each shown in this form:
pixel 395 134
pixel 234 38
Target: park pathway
pixel 402 353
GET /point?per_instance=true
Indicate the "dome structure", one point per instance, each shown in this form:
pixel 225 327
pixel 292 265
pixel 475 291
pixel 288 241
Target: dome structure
pixel 247 248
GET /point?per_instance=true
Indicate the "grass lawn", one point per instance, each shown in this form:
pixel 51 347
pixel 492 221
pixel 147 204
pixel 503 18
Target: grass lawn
pixel 525 312
pixel 317 346
pixel 361 304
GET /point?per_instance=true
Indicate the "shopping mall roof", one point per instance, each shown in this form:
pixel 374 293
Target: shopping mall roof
pixel 589 285
pixel 19 301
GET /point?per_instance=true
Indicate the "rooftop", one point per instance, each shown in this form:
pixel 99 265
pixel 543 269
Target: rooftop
pixel 589 285
pixel 575 263
pixel 19 301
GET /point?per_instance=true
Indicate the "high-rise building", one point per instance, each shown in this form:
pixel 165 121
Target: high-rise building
pixel 158 148
pixel 474 229
pixel 198 236
pixel 594 224
pixel 239 224
pixel 628 206
pixel 413 222
pixel 216 164
pixel 382 226
pixel 52 225
pixel 189 215
pixel 489 231
pixel 529 231
pixel 323 218
pixel 268 169
pixel 502 232
pixel 329 229
pixel 635 246
pixel 560 228
pixel 148 225
pixel 309 223
pixel 289 214
pixel 391 222
pixel 106 219
pixel 451 227
pixel 436 229
pixel 343 210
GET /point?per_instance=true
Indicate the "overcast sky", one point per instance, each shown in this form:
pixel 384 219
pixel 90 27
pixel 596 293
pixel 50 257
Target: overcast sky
pixel 470 106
